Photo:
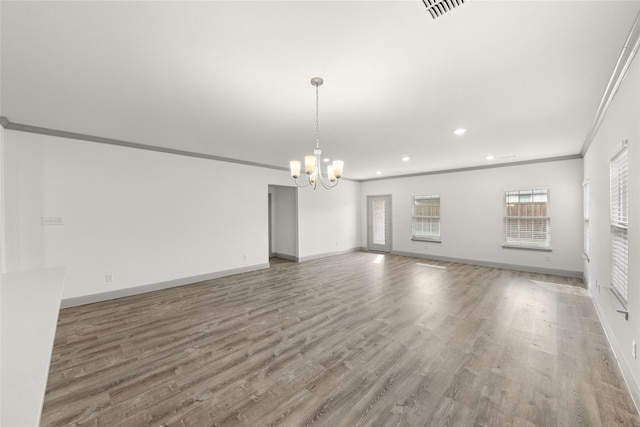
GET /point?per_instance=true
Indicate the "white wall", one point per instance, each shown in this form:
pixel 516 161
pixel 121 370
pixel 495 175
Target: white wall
pixel 23 173
pixel 328 220
pixel 472 211
pixel 622 121
pixel 148 217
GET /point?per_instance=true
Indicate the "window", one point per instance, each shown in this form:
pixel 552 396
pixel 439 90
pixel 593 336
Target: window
pixel 619 204
pixel 526 219
pixel 585 204
pixel 426 218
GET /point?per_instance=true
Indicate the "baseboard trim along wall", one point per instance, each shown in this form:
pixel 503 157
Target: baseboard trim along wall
pixel 119 293
pixel 527 268
pixel 615 348
pixel 328 254
pixel 285 256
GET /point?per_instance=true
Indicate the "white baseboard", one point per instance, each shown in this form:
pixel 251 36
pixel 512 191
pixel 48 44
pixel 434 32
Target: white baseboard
pixel 328 254
pixel 285 256
pixel 529 269
pixel 627 375
pixel 119 293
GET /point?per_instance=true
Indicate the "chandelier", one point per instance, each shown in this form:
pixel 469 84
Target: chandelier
pixel 312 164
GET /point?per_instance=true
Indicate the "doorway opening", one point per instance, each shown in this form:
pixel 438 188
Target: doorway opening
pixel 283 223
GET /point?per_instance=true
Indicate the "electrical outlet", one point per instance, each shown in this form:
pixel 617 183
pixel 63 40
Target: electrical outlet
pixel 52 220
pixel 633 349
pixel 108 277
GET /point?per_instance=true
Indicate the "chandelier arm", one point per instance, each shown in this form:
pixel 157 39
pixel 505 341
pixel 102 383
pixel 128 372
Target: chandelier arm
pixel 327 185
pixel 299 185
pixel 326 182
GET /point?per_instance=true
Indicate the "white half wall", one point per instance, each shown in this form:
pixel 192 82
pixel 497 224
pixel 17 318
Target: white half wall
pixel 147 217
pixel 30 302
pixel 472 212
pixel 2 249
pixel 622 122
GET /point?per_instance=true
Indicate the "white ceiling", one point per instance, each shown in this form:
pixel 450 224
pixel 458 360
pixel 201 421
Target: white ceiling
pixel 231 79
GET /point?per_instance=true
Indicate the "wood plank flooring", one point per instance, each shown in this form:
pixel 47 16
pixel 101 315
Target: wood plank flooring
pixel 355 340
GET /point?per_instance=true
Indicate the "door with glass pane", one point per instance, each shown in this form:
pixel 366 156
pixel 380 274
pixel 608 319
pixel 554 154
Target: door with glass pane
pixel 379 223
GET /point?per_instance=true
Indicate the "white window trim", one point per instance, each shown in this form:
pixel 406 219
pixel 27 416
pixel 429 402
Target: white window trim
pixel 586 225
pixel 515 245
pixel 619 222
pixel 413 218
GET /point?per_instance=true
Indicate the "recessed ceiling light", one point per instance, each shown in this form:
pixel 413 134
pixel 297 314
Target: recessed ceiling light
pixel 378 173
pixel 460 131
pixel 491 157
pixel 406 158
pixel 326 160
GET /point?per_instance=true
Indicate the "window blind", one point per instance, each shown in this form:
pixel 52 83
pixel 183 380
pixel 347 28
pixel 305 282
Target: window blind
pixel 619 262
pixel 619 207
pixel 426 218
pixel 619 179
pixel 527 220
pixel 586 194
pixel 586 237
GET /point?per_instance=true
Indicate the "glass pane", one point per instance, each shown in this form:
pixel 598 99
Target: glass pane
pixel 379 213
pixel 531 232
pixel 426 228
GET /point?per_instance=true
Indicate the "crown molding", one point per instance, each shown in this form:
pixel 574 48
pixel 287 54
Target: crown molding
pixel 619 72
pixel 7 124
pixel 473 168
pixel 20 127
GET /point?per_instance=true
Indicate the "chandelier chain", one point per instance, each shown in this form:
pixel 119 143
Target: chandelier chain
pixel 317 120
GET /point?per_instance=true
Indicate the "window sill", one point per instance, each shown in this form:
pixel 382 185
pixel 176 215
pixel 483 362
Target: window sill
pixel 618 302
pixel 526 248
pixel 425 240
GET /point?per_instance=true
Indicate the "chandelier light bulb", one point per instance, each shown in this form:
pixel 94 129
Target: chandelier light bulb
pixel 330 173
pixel 309 164
pixel 295 168
pixel 337 168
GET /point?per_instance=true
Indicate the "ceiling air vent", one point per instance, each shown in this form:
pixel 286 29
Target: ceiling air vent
pixel 438 8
